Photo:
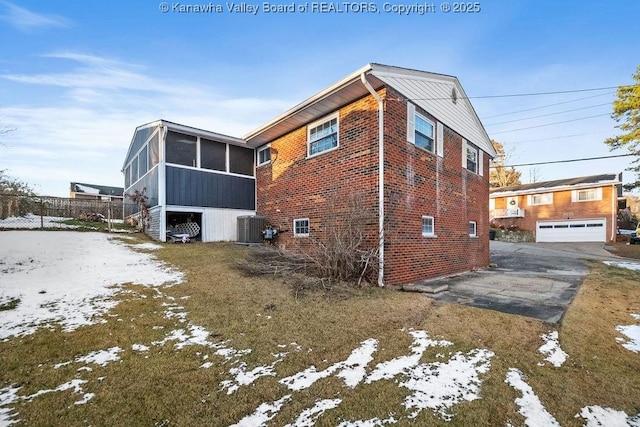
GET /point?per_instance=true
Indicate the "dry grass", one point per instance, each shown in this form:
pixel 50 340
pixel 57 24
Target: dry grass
pixel 166 386
pixel 626 250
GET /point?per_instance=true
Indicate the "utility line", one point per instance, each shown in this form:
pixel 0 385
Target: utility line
pixel 562 161
pixel 551 124
pixel 513 95
pixel 555 137
pixel 548 105
pixel 549 114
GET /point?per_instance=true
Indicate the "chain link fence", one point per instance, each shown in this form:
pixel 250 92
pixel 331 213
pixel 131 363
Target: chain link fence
pixel 19 211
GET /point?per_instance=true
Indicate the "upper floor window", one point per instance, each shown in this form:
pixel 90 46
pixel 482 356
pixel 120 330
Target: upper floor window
pixel 424 133
pixel 264 155
pixel 586 195
pixel 472 158
pixel 323 135
pixel 420 130
pixel 181 149
pixel 541 199
pixel 473 229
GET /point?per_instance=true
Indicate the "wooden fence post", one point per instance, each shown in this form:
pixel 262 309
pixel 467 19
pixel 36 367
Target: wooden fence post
pixel 41 213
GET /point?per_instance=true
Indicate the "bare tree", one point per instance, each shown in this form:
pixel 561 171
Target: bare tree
pixel 499 174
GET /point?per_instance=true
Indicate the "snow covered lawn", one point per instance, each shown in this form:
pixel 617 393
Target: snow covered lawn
pixel 70 280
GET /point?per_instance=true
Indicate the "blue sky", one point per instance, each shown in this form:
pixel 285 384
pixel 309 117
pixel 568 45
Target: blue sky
pixel 76 79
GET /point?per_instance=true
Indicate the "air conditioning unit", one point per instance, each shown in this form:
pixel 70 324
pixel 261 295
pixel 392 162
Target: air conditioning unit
pixel 250 229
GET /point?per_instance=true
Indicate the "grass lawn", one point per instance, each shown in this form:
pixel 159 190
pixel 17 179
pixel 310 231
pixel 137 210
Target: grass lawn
pixel 212 379
pixel 625 250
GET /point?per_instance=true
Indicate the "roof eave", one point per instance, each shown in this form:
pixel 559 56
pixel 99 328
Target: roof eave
pixel 336 87
pixel 540 190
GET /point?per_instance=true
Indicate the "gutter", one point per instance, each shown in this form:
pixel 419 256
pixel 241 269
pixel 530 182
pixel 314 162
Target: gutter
pixel 377 97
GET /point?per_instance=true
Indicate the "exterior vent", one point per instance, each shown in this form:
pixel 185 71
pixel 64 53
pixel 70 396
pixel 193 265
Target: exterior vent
pixel 250 229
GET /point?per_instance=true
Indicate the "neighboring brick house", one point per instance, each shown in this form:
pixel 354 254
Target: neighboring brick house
pixel 582 209
pixel 322 158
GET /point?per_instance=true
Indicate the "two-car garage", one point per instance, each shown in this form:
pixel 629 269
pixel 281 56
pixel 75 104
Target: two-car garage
pixel 574 230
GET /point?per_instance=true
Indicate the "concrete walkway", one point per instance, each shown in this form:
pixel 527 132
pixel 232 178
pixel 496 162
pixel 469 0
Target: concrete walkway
pixel 531 279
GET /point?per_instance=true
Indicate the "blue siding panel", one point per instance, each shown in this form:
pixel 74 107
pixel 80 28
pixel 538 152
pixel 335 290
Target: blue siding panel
pixel 188 187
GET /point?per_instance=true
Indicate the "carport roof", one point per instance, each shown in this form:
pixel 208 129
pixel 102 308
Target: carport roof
pixel 558 184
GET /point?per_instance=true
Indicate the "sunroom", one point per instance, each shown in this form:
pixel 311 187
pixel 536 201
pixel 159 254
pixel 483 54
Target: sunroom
pixel 196 181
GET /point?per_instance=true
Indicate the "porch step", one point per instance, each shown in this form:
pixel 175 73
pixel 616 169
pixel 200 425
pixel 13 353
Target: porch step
pixel 432 288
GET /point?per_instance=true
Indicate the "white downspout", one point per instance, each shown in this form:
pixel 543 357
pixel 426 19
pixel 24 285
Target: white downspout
pixel 365 82
pixel 614 212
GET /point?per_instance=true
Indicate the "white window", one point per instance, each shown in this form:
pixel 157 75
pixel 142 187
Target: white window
pixel 264 155
pixel 322 135
pixel 428 226
pixel 541 199
pixel 586 195
pixel 420 130
pixel 472 158
pixel 424 133
pixel 473 229
pixel 301 227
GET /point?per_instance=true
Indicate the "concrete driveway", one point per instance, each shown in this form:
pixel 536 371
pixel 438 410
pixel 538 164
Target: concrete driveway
pixel 532 279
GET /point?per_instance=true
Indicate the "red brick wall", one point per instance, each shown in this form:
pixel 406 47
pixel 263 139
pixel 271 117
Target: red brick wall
pixel 421 183
pixel 562 208
pixel 294 186
pixel 416 183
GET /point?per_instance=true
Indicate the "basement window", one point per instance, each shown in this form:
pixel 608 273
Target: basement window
pixel 428 226
pixel 301 227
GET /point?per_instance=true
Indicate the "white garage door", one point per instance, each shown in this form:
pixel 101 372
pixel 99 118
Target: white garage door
pixel 586 230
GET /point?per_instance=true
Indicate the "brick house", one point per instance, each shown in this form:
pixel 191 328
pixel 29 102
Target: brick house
pixel 582 209
pixel 396 149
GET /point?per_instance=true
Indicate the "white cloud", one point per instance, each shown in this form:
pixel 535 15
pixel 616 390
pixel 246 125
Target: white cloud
pixel 27 21
pixel 83 134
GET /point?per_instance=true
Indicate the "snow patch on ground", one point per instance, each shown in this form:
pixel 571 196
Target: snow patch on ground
pixel 439 386
pixel 632 332
pixel 308 417
pixel 100 357
pixel 350 370
pixel 263 413
pixel 597 416
pixel 373 422
pixel 69 279
pixel 148 246
pixel 551 348
pixel 531 408
pixel 624 264
pixel 31 221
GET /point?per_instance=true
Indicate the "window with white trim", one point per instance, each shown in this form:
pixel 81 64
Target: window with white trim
pixel 420 130
pixel 264 155
pixel 587 195
pixel 541 199
pixel 473 229
pixel 472 158
pixel 424 133
pixel 301 227
pixel 428 226
pixel 322 135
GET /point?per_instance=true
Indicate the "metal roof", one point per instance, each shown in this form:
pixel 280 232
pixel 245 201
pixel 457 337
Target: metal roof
pixel 430 91
pixel 102 190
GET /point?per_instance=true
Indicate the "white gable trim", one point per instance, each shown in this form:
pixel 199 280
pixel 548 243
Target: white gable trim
pixel 411 123
pixel 440 139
